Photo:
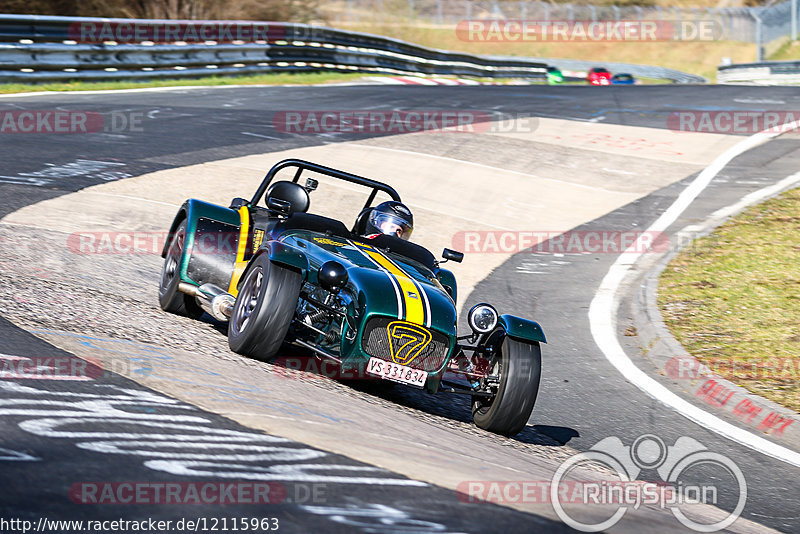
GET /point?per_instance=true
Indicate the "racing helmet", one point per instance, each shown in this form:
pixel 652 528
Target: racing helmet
pixel 391 218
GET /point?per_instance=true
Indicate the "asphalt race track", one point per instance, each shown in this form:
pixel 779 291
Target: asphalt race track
pixel 59 436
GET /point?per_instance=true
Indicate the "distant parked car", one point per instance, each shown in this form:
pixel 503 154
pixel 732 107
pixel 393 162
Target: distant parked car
pixel 554 76
pixel 598 76
pixel 623 79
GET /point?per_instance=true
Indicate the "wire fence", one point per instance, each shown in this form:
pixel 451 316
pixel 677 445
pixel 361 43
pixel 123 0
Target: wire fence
pixel 746 24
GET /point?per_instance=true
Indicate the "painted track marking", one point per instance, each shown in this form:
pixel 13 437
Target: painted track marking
pixel 605 304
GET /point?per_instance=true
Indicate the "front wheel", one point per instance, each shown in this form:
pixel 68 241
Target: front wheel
pixel 514 375
pixel 264 309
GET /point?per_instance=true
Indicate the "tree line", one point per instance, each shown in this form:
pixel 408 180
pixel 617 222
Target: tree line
pixel 283 10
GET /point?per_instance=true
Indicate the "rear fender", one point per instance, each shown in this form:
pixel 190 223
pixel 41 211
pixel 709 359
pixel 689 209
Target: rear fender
pixel 522 329
pixel 219 227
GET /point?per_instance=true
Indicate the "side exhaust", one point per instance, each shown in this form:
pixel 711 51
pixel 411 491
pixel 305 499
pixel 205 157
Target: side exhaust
pixel 213 299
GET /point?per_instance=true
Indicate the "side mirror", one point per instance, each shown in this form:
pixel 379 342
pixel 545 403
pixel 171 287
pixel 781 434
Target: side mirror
pixel 237 203
pixel 282 207
pixel 453 255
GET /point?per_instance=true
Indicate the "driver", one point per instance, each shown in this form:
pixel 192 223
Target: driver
pixel 390 218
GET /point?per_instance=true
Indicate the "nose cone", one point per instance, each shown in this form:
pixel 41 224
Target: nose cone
pixel 413 300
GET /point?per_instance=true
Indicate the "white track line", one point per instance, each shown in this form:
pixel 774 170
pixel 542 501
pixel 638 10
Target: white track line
pixel 604 306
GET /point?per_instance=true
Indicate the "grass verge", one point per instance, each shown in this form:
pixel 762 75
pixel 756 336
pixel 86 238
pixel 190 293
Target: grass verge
pixel 732 299
pixel 255 79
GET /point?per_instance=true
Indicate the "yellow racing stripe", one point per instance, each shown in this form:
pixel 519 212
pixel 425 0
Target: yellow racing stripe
pixel 415 312
pixel 238 267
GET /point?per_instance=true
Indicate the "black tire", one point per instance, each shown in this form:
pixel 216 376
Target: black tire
pixel 170 299
pixel 264 308
pixel 520 369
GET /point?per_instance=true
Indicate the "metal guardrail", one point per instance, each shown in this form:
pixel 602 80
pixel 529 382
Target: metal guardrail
pixel 46 48
pixel 764 73
pixel 39 48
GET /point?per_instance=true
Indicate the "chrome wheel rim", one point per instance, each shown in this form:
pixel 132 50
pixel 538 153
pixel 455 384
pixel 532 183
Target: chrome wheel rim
pixel 248 299
pixel 174 254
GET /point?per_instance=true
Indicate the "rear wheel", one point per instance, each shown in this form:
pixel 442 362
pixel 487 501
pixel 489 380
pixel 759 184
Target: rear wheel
pixel 264 309
pixel 515 370
pixel 170 299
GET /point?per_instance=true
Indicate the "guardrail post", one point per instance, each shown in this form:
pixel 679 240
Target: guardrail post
pixel 794 20
pixel 439 14
pixel 593 9
pixel 468 10
pixel 759 48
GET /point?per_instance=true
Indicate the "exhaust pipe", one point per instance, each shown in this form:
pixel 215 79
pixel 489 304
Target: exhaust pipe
pixel 213 299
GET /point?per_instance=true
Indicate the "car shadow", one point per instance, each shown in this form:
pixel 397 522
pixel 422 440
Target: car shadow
pixel 453 406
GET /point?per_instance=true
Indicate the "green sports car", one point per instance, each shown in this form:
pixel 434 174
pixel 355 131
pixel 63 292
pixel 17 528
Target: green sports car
pixel 381 307
pixel 554 76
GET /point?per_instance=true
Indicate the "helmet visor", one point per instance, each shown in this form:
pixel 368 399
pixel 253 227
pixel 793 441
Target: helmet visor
pixel 389 224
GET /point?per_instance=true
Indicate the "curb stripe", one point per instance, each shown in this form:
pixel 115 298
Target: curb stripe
pixel 605 305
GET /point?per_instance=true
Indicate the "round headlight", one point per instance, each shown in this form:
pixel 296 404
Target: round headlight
pixel 482 318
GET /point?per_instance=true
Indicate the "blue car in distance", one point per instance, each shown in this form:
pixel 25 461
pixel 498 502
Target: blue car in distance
pixel 623 79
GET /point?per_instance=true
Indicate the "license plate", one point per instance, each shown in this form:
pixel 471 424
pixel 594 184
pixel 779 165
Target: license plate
pixel 396 372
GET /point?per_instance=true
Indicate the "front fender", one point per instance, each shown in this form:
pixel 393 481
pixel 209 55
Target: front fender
pixel 522 329
pixel 448 281
pixel 289 256
pixel 281 254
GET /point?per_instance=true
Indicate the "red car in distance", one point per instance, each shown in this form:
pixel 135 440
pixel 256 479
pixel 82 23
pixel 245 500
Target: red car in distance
pixel 598 76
